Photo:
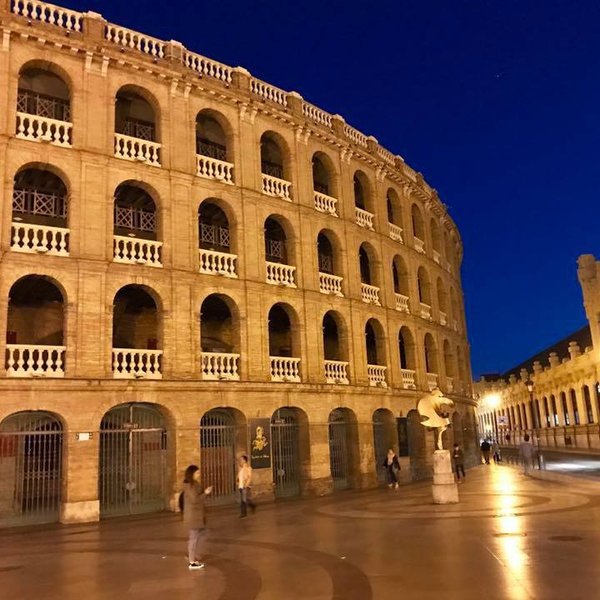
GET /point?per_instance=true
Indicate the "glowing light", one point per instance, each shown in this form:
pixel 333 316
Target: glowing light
pixel 492 400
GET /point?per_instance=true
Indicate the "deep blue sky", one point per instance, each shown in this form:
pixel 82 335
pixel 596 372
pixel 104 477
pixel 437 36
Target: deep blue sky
pixel 496 102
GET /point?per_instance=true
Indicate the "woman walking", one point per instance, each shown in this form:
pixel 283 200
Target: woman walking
pixel 392 468
pixel 194 517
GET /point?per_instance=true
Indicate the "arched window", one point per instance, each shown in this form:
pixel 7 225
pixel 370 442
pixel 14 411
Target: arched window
pixel 275 242
pixel 436 239
pixel 424 287
pixel 211 141
pixel 325 254
pixel 375 350
pixel 554 411
pixel 408 361
pixel 135 214
pixel 361 190
pixel 431 358
pixel 587 400
pixel 418 227
pixel 271 156
pixel 35 323
pixel 576 418
pixel 283 346
pixel 394 210
pixel 449 362
pixel 365 266
pixel 565 408
pixel 322 174
pixel 134 116
pixel 334 350
pixel 213 228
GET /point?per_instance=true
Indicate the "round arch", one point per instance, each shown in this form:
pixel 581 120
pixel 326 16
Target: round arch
pixel 385 437
pixel 343 448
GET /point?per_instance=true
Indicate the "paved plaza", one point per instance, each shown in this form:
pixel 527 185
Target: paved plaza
pixel 509 538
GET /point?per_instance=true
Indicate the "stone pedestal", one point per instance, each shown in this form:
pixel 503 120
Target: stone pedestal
pixel 444 488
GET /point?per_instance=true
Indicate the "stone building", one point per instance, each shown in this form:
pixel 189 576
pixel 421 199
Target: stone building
pixel 553 396
pixel 189 253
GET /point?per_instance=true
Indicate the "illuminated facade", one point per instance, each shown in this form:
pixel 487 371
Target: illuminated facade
pixel 555 396
pixel 187 249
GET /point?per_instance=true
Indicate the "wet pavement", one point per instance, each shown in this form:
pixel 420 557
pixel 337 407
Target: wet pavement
pixel 510 537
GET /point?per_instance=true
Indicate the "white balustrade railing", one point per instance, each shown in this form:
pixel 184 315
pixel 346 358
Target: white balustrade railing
pixel 28 360
pixel 280 274
pixel 455 325
pixel 126 38
pixel 402 303
pixel 136 363
pixel 269 92
pixel 40 239
pixel 330 284
pixel 419 245
pixel 355 136
pixel 211 168
pixel 432 381
pixel 370 294
pixel 273 186
pixel 219 366
pixel 326 204
pixel 285 369
pixel 425 311
pixel 436 257
pixel 376 375
pixel 218 263
pixel 206 66
pixel 43 129
pixel 48 13
pixel 132 148
pixel 316 114
pixel 386 155
pixel 443 318
pixel 137 251
pixel 448 266
pixel 364 218
pixel 395 233
pixel 449 384
pixel 408 379
pixel 336 372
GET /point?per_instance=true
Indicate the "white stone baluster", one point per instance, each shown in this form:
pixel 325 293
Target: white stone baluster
pixel 43 129
pixel 370 294
pixel 136 149
pixel 211 168
pixel 41 239
pixel 364 218
pixel 408 379
pixel 273 186
pixel 280 274
pixel 336 372
pixel 28 360
pixel 376 375
pixel 326 204
pixel 137 251
pixel 395 232
pixel 402 303
pixel 219 366
pixel 330 284
pixel 136 363
pixel 432 381
pixel 285 369
pixel 218 263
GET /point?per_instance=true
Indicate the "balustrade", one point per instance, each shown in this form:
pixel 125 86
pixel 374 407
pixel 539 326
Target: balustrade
pixel 408 379
pixel 326 204
pixel 330 284
pixel 218 263
pixel 425 311
pixel 336 372
pixel 211 168
pixel 42 239
pixel 402 303
pixel 273 186
pixel 364 218
pixel 316 114
pixel 443 318
pixel 126 38
pixel 285 369
pixel 268 92
pixel 48 13
pixel 370 294
pixel 436 257
pixel 208 67
pixel 132 148
pixel 280 274
pixel 419 245
pixel 355 136
pixel 138 251
pixel 396 233
pixel 432 381
pixel 136 364
pixel 376 375
pixel 43 129
pixel 27 360
pixel 220 366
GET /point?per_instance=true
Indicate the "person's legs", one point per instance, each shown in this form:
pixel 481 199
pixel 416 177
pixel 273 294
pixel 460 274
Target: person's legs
pixel 249 501
pixel 461 470
pixel 243 504
pixel 194 535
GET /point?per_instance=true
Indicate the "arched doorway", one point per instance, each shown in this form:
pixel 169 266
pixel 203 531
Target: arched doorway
pixel 286 424
pixel 133 460
pixel 30 468
pixel 222 437
pixel 342 447
pixel 417 446
pixel 385 436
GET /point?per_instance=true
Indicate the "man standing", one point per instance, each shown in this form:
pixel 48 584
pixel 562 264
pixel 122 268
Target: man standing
pixel 459 462
pixel 244 479
pixel 485 450
pixel 526 452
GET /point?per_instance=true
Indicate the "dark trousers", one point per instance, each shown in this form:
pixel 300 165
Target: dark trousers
pixel 460 469
pixel 245 502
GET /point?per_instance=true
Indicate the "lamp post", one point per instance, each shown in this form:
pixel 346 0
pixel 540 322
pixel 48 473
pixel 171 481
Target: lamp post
pixel 530 385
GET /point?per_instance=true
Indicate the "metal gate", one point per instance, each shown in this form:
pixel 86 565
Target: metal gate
pixel 30 468
pixel 133 445
pixel 217 455
pixel 338 449
pixel 285 444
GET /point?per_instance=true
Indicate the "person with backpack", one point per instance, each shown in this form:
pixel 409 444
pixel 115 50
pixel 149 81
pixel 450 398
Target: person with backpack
pixel 194 517
pixel 391 464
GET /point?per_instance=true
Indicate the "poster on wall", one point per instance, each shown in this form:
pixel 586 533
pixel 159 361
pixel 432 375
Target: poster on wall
pixel 260 443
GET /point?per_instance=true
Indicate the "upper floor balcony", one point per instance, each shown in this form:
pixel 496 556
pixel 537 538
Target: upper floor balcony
pixel 325 204
pixel 285 369
pixel 409 379
pixel 402 303
pixel 212 154
pixel 364 218
pixel 376 374
pixel 220 366
pixel 336 372
pixel 330 284
pixel 419 245
pixel 395 232
pixel 370 294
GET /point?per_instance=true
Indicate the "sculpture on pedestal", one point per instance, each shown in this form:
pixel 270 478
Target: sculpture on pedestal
pixel 431 408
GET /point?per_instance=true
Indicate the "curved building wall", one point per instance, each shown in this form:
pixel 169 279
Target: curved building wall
pixel 146 278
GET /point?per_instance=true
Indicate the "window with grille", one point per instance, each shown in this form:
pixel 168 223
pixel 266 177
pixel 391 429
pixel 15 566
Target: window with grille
pixel 325 263
pixel 205 147
pixel 272 169
pixel 129 217
pixel 41 105
pixel 215 236
pixel 143 130
pixel 32 202
pixel 274 250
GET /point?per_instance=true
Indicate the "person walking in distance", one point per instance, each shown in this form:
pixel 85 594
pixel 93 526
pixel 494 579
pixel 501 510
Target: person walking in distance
pixel 391 465
pixel 458 458
pixel 485 451
pixel 194 517
pixel 526 452
pixel 244 479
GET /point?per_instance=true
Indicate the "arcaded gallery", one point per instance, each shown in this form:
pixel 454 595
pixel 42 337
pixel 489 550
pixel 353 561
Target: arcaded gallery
pixel 197 264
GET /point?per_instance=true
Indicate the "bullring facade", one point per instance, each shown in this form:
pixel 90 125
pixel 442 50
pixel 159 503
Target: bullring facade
pixel 186 248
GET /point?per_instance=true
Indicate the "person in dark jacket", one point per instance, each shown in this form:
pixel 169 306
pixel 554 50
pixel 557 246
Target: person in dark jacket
pixel 485 450
pixel 194 517
pixel 392 468
pixel 458 458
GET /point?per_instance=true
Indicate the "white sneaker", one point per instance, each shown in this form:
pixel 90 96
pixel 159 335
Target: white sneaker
pixel 194 566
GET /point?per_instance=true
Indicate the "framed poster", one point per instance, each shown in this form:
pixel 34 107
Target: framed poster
pixel 260 443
